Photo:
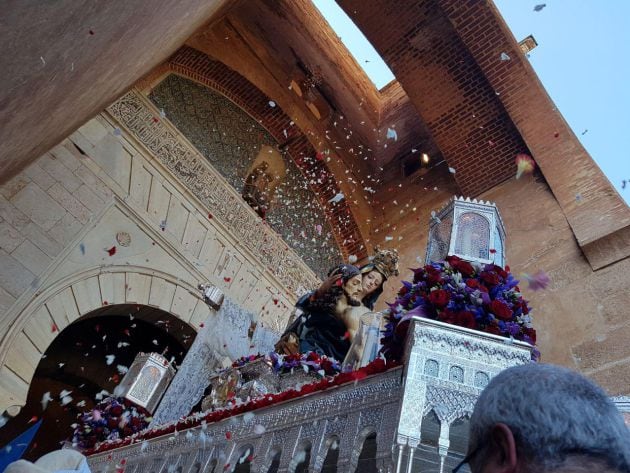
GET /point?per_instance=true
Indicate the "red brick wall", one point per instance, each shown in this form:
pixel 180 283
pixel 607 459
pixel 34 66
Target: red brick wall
pixel 463 112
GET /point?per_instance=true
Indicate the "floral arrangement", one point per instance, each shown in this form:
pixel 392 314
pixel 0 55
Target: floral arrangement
pixel 112 419
pixel 480 297
pixel 377 366
pixel 309 362
pixel 243 360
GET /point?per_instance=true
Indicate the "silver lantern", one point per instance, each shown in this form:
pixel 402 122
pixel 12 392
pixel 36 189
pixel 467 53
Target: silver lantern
pixel 470 229
pixel 146 381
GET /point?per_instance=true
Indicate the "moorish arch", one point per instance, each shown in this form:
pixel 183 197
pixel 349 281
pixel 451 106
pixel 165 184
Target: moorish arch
pixel 96 291
pixel 198 67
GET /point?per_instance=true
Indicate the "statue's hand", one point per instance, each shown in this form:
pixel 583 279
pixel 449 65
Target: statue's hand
pixel 289 344
pixel 328 283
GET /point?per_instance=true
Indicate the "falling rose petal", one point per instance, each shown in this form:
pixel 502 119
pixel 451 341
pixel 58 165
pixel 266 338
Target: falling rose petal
pixel 209 216
pixel 32 419
pixel 46 398
pixel 352 259
pixel 228 435
pixel 109 359
pixel 538 281
pixel 337 198
pixel 492 251
pixel 54 328
pixel 524 164
pixel 227 279
pixel 111 251
pixel 319 156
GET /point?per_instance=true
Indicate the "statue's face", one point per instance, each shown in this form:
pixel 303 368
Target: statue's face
pixel 354 290
pixel 371 282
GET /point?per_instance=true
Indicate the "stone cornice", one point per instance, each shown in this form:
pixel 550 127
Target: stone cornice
pixel 138 116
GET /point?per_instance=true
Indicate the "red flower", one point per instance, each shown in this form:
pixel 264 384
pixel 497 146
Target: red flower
pixel 460 265
pixel 466 319
pixel 439 298
pixel 490 278
pixel 312 356
pixel 447 316
pixel 434 276
pixel 403 290
pixel 493 329
pixel 500 309
pixel 473 283
pixel 500 271
pixel 531 333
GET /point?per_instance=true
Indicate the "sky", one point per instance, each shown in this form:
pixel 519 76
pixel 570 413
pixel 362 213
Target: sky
pixel 582 59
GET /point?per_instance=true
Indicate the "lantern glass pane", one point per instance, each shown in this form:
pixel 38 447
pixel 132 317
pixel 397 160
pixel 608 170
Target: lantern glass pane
pixel 473 236
pixel 439 239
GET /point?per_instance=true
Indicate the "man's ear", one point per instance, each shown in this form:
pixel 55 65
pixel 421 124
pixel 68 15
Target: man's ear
pixel 503 459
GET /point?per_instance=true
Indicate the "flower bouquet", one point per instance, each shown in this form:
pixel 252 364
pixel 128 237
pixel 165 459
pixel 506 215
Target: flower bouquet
pixel 112 419
pixel 479 297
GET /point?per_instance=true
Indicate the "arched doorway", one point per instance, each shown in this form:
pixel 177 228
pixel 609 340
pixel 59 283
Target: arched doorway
pixel 86 361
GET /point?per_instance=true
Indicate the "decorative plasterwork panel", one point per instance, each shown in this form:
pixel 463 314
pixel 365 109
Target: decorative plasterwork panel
pixel 138 116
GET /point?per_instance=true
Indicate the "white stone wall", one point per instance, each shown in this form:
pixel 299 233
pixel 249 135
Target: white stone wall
pixel 60 215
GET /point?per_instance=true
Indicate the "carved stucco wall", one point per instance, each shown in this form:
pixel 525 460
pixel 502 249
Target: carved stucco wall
pixel 60 216
pixel 231 140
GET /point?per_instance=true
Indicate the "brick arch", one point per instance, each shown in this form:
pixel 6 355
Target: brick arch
pixel 195 65
pixel 69 300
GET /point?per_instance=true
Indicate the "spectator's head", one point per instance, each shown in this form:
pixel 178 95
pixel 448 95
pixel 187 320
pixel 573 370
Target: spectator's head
pixel 540 418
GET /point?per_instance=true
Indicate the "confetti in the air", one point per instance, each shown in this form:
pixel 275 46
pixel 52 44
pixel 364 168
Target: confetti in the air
pixel 389 238
pixel 524 164
pixel 272 104
pixel 539 7
pixel 46 398
pixel 435 218
pixel 109 359
pixel 391 134
pixel 505 57
pixel 338 198
pixel 111 251
pixel 66 400
pixel 352 259
pixel 82 248
pixel 538 281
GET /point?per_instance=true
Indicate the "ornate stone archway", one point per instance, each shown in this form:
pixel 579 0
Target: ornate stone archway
pixel 71 298
pixel 197 66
